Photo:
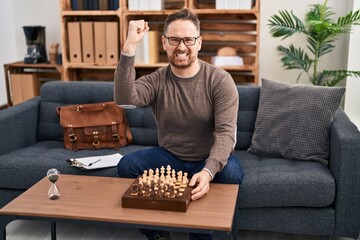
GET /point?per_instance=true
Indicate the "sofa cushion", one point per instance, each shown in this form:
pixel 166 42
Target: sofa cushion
pixel 248 106
pixel 280 182
pixel 294 120
pixel 23 168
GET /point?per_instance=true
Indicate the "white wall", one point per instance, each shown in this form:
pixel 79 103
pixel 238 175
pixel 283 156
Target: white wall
pixel 352 98
pixel 7 43
pixel 17 13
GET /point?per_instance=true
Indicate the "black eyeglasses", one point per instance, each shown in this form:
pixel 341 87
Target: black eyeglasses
pixel 188 41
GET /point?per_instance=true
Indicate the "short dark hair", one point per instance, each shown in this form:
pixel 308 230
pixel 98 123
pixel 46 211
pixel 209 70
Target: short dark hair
pixel 182 14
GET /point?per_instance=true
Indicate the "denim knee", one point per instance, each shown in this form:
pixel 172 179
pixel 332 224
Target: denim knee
pixel 232 172
pixel 124 168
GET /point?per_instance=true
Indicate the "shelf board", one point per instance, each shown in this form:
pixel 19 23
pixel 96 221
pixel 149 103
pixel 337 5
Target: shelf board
pixel 89 66
pixel 226 11
pixel 155 65
pixel 143 13
pixel 88 13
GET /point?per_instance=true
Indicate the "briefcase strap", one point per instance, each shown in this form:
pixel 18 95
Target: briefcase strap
pixel 115 135
pixel 72 138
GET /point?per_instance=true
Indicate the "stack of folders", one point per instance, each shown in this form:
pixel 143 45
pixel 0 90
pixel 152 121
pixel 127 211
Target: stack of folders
pixel 94 4
pixel 93 42
pixel 147 51
pixel 234 4
pixel 151 5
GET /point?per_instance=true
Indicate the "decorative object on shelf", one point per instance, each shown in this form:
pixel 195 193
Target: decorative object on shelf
pixel 53 175
pixel 35 41
pixel 321 31
pixel 53 52
pixel 227 56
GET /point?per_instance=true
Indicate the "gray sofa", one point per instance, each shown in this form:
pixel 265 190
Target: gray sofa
pixel 281 195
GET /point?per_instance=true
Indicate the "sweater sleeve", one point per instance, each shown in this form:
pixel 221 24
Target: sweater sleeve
pixel 226 102
pixel 127 91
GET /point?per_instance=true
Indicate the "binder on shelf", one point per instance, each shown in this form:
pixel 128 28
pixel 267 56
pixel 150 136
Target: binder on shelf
pixel 233 4
pixel 74 42
pixel 113 4
pixel 156 5
pixel 87 42
pixel 139 52
pixel 100 42
pixel 147 51
pixel 104 5
pixel 246 4
pixel 112 49
pixel 144 5
pixel 95 4
pixel 80 4
pixel 152 47
pixel 74 5
pixel 222 4
pixel 87 4
pixel 133 5
pixel 116 4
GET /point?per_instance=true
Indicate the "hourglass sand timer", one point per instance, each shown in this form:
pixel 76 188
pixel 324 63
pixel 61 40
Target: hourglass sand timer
pixel 53 175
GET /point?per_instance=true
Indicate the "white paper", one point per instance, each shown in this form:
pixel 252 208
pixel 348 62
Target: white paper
pixel 96 162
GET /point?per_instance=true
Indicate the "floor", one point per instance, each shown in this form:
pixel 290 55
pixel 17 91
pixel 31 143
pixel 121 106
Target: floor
pixel 33 230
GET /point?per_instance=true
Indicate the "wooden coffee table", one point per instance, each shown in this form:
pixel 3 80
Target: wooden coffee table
pixel 98 200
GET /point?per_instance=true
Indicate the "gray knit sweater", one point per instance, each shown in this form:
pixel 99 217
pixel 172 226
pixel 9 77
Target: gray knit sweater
pixel 196 117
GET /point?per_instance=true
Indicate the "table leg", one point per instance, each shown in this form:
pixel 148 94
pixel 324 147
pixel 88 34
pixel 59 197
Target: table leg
pixel 234 227
pixel 235 220
pixel 4 221
pixel 53 230
pixel 3 234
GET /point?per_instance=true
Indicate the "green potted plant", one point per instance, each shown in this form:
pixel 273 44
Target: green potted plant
pixel 321 32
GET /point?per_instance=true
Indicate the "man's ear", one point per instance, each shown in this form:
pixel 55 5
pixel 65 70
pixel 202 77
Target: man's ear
pixel 163 41
pixel 199 42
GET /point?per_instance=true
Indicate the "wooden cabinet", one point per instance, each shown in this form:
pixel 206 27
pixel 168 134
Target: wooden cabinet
pixel 236 28
pixel 23 80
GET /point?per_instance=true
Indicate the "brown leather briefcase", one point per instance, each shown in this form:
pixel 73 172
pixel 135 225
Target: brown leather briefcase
pixel 94 126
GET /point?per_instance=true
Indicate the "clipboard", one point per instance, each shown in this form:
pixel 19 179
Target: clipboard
pixel 95 162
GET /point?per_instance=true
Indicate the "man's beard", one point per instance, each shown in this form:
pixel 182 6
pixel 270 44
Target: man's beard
pixel 182 65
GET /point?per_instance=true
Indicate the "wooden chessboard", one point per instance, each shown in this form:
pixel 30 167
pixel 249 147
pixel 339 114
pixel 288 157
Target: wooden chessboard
pixel 148 199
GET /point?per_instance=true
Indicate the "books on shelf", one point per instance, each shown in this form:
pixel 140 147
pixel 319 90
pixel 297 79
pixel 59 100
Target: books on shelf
pixel 234 4
pixel 94 4
pixel 147 5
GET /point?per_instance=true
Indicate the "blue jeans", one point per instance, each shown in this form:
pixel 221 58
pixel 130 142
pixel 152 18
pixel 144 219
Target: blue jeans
pixel 132 165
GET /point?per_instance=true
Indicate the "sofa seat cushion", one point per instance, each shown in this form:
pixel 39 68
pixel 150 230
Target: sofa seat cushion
pixel 23 168
pixel 279 182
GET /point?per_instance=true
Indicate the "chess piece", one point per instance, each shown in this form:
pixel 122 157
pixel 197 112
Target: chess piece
pixel 53 175
pixel 146 191
pixel 134 189
pixel 162 173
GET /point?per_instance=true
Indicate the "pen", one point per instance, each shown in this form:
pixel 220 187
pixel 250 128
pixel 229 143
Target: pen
pixel 90 164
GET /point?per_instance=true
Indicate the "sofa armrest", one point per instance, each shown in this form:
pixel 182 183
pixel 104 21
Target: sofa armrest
pixel 18 125
pixel 345 166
